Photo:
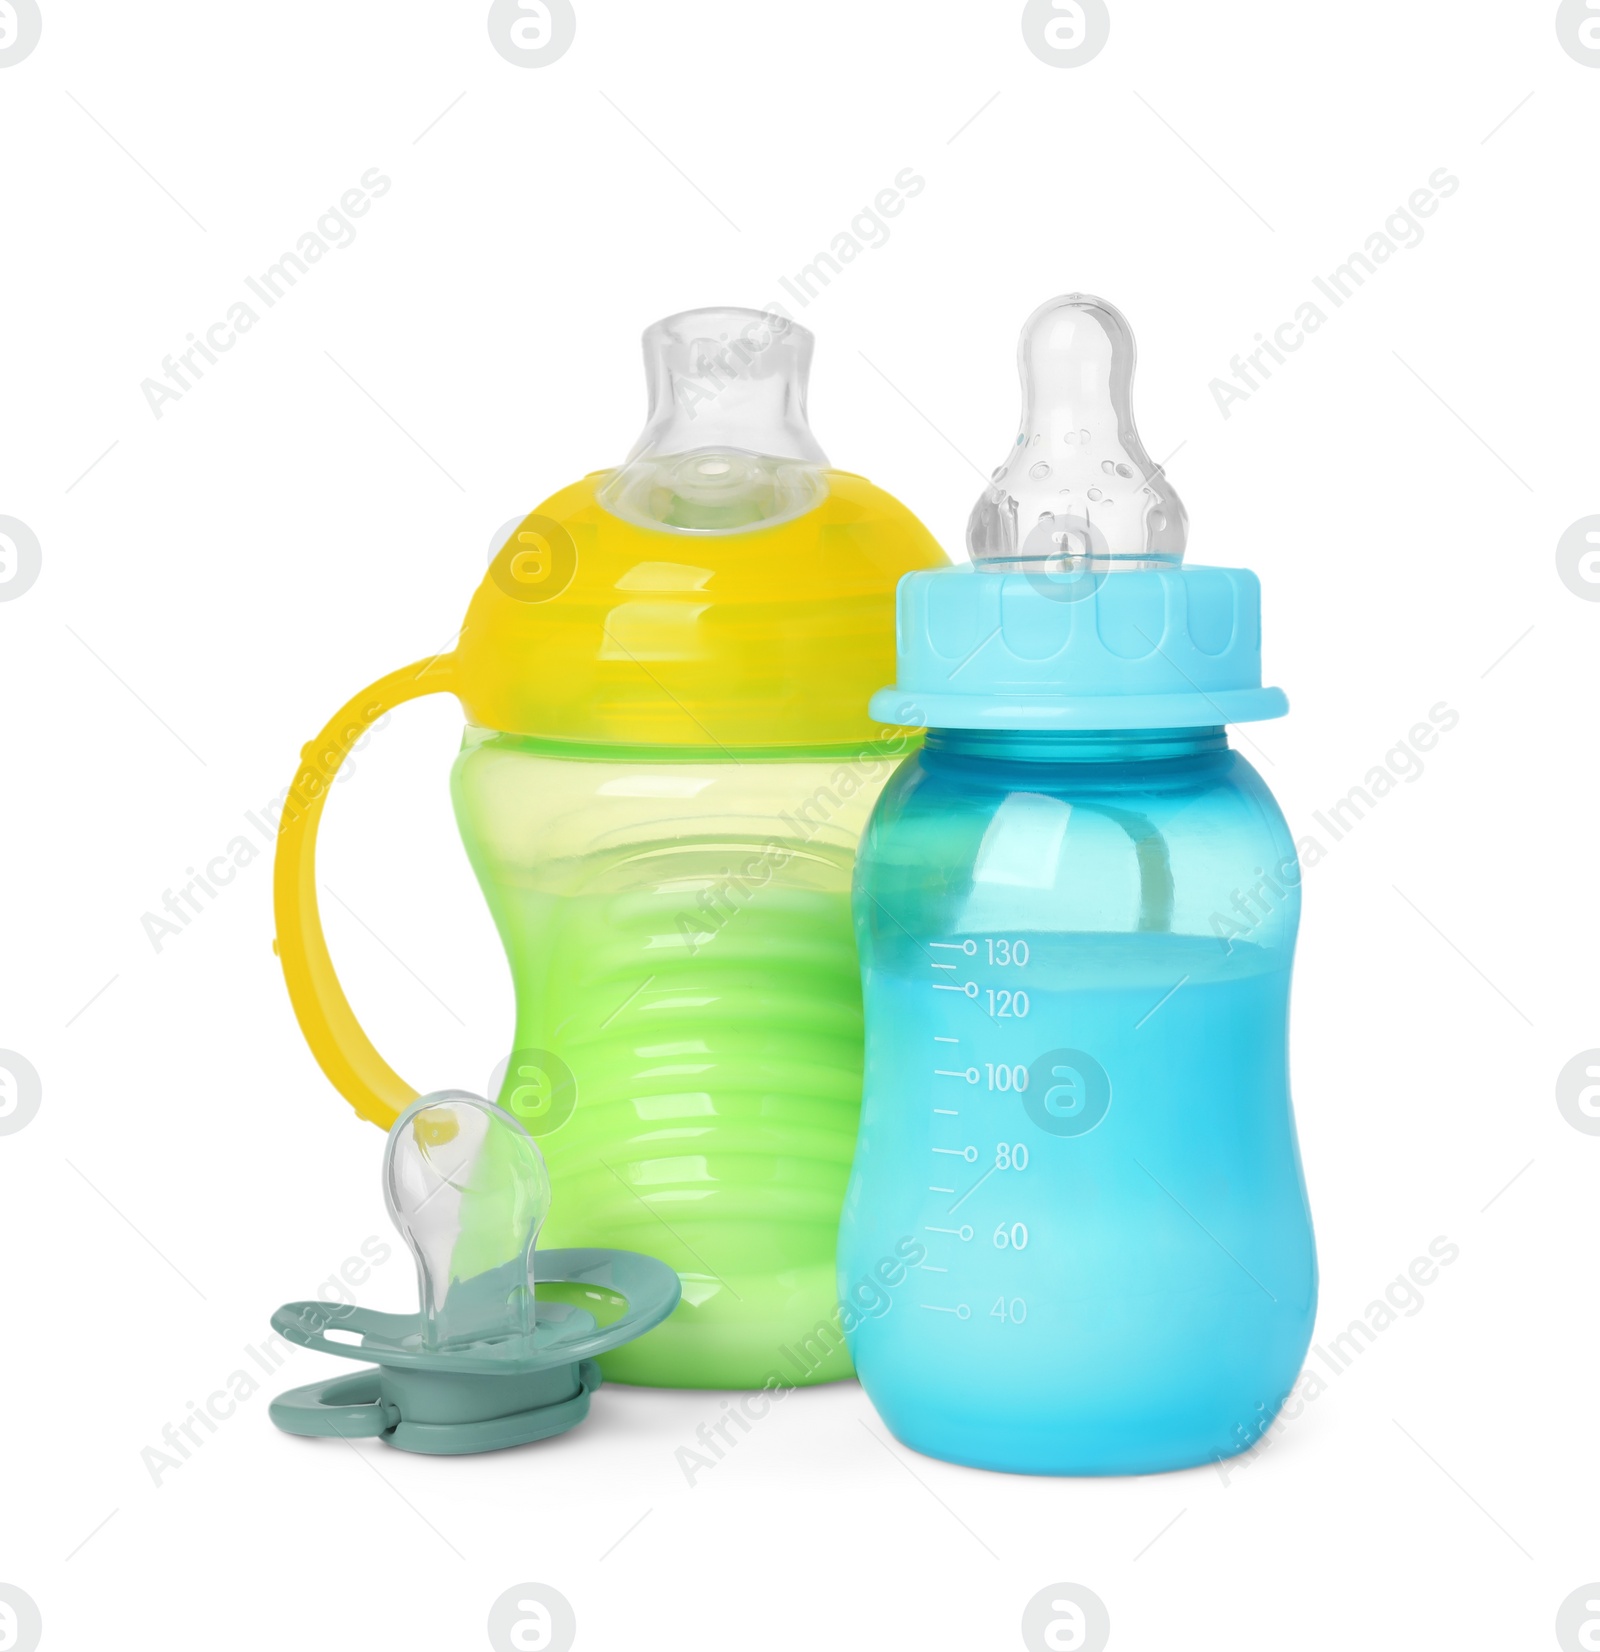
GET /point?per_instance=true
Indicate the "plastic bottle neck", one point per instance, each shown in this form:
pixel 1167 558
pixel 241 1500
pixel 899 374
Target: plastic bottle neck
pixel 1077 745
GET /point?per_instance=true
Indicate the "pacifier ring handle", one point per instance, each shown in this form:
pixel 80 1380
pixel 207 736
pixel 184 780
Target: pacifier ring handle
pixel 344 1408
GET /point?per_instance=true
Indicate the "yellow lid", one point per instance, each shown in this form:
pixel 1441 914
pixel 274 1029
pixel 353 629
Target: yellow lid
pixel 595 628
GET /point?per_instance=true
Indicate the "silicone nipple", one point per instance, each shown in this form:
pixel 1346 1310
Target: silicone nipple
pixel 466 1186
pixel 1078 490
pixel 726 445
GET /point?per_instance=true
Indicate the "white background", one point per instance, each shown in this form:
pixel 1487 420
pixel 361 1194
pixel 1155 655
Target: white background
pixel 318 510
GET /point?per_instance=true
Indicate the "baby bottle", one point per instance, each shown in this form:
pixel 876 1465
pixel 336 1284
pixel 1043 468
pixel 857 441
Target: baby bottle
pixel 666 769
pixel 1076 1237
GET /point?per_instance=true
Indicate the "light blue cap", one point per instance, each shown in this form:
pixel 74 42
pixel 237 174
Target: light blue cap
pixel 1132 648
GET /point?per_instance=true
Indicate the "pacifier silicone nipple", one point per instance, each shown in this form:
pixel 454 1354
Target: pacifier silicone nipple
pixel 1078 490
pixel 726 446
pixel 467 1188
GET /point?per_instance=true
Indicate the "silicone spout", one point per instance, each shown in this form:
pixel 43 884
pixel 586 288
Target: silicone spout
pixel 726 446
pixel 1078 491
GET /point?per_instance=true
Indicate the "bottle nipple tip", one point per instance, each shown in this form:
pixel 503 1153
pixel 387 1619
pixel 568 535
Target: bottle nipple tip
pixel 1075 358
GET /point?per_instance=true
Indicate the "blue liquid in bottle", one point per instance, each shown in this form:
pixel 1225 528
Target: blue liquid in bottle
pixel 1076 945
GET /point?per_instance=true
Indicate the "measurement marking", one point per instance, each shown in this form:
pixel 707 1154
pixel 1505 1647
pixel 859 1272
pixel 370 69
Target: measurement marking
pixel 938 965
pixel 946 986
pixel 928 1267
pixel 957 1152
pixel 947 1112
pixel 949 1072
pixel 938 1040
pixel 942 1230
pixel 948 946
pixel 941 1190
pixel 963 1312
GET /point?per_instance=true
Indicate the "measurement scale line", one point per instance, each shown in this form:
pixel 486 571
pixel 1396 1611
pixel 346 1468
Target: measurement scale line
pixel 938 965
pixel 941 1190
pixel 939 1039
pixel 949 946
pixel 922 947
pixel 949 1072
pixel 914 940
pixel 1201 1225
pixel 934 1308
pixel 947 1112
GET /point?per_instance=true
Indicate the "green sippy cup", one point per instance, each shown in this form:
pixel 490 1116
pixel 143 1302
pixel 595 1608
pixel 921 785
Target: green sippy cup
pixel 667 764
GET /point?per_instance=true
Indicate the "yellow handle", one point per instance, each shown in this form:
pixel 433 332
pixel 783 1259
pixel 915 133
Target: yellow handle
pixel 342 1048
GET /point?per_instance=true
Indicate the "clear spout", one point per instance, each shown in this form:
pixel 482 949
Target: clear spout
pixel 1078 491
pixel 726 446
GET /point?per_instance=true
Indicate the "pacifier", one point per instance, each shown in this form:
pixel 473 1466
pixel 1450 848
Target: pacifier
pixel 502 1350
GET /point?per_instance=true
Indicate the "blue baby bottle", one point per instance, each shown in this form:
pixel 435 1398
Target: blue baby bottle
pixel 1076 1237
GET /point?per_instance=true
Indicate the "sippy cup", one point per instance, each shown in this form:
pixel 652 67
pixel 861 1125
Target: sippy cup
pixel 501 1352
pixel 666 769
pixel 1076 908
